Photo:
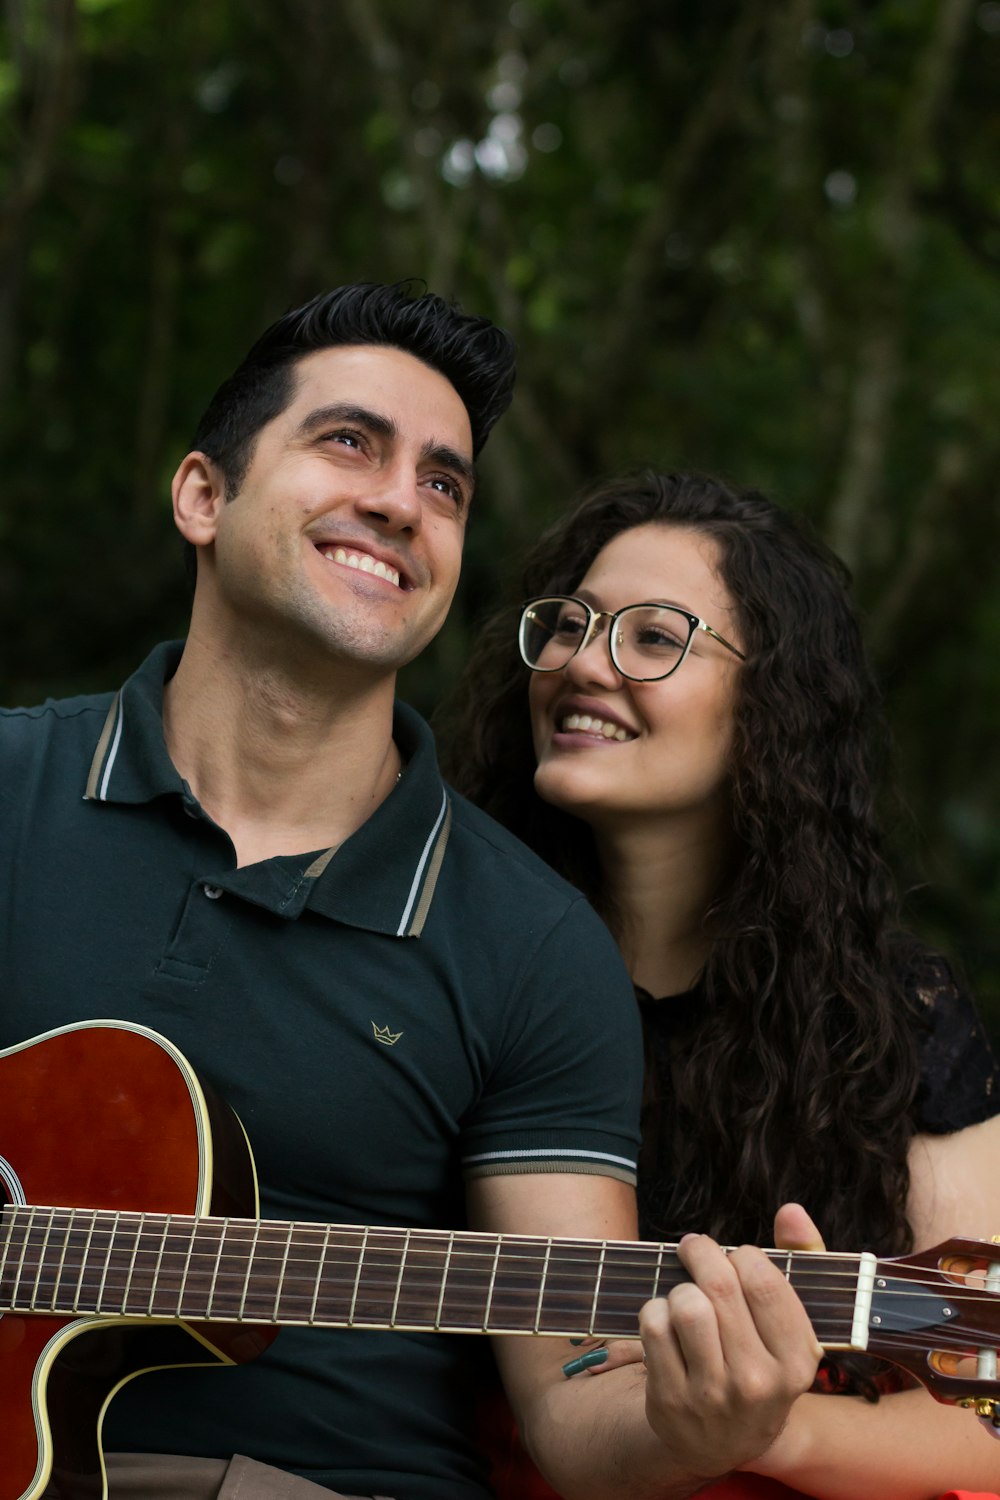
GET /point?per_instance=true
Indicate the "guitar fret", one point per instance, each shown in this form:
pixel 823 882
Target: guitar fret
pixel 541 1285
pixel 62 1261
pixel 319 1273
pixel 84 1256
pixel 399 1279
pixel 140 1224
pixel 656 1274
pixel 107 1263
pixel 215 1268
pixel 357 1279
pixel 597 1286
pixel 281 1273
pixel 789 1258
pixel 154 1279
pixel 182 1283
pixel 246 1279
pixel 43 1247
pixel 9 1220
pixel 493 1282
pixel 24 1250
pixel 444 1281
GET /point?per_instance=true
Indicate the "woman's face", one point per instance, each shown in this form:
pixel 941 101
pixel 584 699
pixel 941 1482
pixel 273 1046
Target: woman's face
pixel 667 752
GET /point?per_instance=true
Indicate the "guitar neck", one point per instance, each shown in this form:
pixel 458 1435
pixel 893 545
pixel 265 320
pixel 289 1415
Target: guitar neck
pixel 160 1266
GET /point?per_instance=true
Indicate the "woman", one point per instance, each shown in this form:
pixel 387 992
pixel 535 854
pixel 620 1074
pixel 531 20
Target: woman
pixel 688 734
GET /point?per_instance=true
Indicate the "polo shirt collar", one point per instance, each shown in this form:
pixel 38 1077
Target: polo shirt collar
pixel 382 878
pixel 131 763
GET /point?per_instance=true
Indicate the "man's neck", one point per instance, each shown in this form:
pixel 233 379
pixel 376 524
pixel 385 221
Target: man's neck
pixel 284 763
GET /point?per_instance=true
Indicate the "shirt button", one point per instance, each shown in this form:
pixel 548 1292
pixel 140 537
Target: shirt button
pixel 213 892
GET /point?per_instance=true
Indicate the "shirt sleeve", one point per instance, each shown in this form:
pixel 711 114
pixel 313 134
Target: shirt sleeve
pixel 960 1077
pixel 565 1094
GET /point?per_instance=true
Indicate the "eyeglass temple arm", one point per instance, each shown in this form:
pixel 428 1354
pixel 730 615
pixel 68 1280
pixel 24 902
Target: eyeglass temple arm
pixel 721 639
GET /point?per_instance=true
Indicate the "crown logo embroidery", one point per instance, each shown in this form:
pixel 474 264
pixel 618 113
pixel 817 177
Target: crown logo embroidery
pixel 385 1036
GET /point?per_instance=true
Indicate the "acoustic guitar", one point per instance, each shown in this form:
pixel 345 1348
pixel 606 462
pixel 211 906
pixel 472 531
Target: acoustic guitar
pixel 129 1240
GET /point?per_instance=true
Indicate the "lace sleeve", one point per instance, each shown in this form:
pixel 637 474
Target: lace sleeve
pixel 960 1077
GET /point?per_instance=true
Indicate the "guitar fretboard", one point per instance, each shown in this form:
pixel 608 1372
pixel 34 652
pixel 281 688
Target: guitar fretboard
pixel 87 1261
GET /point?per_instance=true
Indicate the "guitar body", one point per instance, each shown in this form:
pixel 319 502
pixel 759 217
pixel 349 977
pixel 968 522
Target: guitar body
pixel 112 1115
pixel 128 1207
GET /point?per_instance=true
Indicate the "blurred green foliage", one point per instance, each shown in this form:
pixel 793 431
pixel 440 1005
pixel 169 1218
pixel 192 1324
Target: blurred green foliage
pixel 755 238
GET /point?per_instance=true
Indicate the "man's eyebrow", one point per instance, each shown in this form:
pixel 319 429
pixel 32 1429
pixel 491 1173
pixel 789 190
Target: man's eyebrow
pixel 342 411
pixel 383 426
pixel 448 458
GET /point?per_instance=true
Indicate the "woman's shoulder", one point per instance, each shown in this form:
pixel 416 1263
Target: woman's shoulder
pixel 959 1072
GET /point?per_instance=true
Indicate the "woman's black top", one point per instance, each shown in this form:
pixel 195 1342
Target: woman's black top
pixel 959 1072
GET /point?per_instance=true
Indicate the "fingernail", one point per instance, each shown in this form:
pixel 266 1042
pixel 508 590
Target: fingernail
pixel 585 1362
pixel 578 1341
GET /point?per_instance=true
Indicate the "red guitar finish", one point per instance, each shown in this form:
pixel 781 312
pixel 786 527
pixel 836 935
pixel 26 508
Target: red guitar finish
pixel 100 1115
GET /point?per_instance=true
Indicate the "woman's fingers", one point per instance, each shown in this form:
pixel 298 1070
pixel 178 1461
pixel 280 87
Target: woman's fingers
pixel 595 1356
pixel 794 1230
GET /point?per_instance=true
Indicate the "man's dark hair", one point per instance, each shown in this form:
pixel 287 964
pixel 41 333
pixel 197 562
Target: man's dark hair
pixel 471 352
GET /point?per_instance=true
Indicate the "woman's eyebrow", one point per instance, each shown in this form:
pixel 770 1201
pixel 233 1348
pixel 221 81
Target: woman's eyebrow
pixel 589 597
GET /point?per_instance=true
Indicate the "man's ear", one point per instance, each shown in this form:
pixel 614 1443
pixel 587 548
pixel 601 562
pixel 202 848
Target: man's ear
pixel 199 494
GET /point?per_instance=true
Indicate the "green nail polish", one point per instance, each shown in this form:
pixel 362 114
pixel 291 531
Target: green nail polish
pixel 585 1362
pixel 577 1341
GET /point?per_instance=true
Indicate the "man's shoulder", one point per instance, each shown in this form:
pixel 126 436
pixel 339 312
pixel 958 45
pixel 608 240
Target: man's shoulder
pixel 24 731
pixel 501 853
pixel 54 711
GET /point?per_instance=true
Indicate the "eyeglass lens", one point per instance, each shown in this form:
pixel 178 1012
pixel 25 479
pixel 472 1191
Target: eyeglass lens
pixel 649 639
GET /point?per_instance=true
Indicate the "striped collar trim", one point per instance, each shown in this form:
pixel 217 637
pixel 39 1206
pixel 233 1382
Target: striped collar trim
pixel 106 754
pixel 425 879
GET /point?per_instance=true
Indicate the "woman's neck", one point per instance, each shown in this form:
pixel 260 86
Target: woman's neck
pixel 661 883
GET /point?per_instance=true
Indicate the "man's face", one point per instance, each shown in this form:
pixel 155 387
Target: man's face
pixel 347 532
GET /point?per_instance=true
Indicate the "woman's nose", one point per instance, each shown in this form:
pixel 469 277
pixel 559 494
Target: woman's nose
pixel 592 663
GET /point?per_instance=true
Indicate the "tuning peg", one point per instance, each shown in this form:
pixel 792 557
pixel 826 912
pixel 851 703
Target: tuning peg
pixel 988 1412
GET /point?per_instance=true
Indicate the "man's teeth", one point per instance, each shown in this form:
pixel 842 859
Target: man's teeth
pixel 590 725
pixel 363 562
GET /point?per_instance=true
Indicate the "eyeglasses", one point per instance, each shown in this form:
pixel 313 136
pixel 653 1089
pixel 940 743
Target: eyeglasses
pixel 647 641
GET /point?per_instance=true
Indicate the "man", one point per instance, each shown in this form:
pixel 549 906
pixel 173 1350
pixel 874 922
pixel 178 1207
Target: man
pixel 249 850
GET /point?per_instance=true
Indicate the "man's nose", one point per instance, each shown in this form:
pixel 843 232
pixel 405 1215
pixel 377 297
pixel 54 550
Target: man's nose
pixel 394 499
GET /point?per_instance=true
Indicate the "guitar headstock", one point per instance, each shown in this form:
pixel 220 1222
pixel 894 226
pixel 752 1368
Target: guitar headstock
pixel 937 1315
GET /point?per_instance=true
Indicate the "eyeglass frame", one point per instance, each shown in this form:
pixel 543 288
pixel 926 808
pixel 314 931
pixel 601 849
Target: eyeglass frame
pixel 695 622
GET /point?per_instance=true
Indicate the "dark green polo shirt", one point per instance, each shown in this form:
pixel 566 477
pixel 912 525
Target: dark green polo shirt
pixel 430 1002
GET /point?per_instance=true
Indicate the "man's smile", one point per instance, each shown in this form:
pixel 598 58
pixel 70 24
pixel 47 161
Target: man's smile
pixel 363 562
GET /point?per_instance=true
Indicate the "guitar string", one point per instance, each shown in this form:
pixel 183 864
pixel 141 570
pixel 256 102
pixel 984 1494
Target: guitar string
pixel 129 1232
pixel 395 1283
pixel 261 1268
pixel 181 1228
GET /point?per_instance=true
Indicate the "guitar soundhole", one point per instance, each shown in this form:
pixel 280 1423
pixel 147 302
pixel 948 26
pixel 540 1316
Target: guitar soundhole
pixel 11 1191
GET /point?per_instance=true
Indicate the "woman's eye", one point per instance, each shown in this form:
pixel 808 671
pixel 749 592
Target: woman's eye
pixel 655 639
pixel 570 627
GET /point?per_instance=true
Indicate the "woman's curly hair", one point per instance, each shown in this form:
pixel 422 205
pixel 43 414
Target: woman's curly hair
pixel 799 1081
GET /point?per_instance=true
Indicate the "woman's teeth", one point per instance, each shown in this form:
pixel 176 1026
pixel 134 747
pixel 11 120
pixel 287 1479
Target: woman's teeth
pixel 363 562
pixel 589 725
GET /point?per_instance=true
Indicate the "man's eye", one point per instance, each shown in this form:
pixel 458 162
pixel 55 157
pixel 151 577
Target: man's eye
pixel 446 486
pixel 344 436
